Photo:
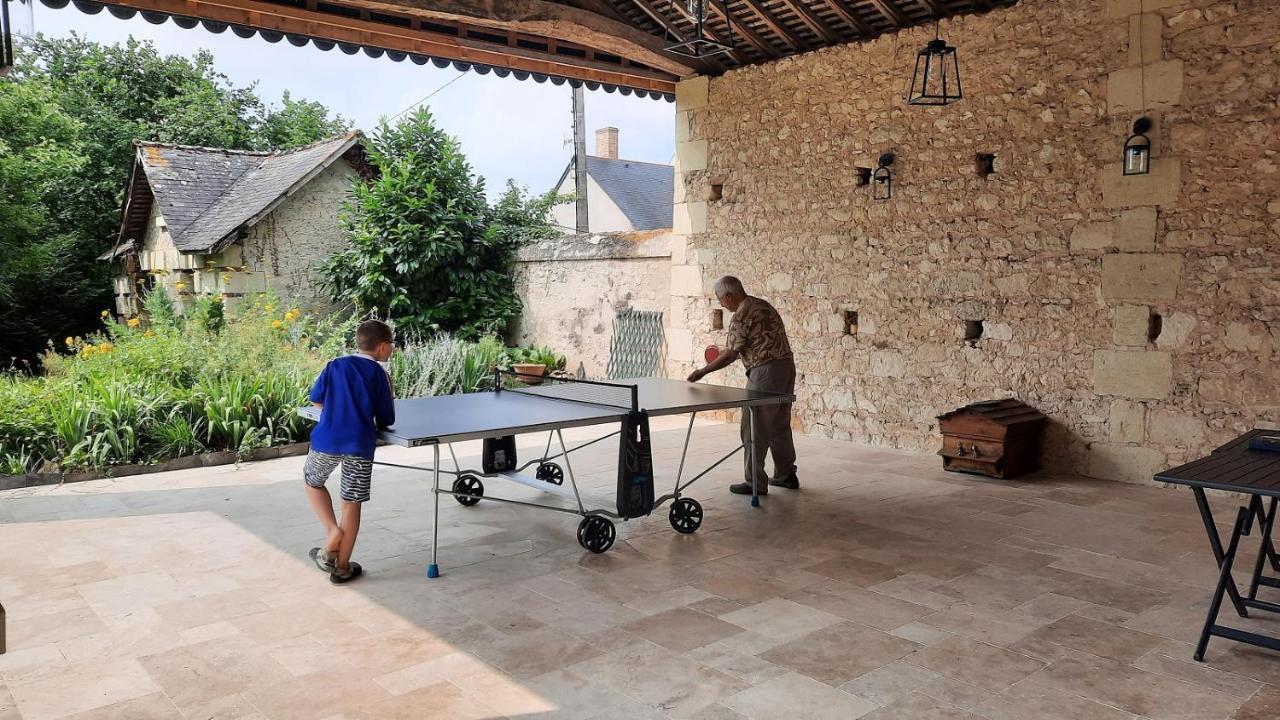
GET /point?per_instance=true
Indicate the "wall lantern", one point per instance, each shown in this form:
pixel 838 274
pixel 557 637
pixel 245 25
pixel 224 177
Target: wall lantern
pixel 882 179
pixel 936 80
pixel 700 46
pixel 1137 149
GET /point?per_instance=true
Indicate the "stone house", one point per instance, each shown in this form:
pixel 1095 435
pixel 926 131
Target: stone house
pixel 622 195
pixel 206 221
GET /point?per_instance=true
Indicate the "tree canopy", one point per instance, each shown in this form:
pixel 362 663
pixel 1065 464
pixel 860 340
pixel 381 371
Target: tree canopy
pixel 68 117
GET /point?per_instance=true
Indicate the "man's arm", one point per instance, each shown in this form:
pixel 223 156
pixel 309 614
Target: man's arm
pixel 725 359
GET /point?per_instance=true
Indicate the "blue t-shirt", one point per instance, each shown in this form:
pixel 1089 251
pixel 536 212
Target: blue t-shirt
pixel 357 400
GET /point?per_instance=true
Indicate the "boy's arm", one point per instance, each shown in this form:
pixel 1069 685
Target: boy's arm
pixel 316 396
pixel 386 409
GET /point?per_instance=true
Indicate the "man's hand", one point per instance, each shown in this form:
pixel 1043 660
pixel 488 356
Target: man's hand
pixel 697 375
pixel 726 358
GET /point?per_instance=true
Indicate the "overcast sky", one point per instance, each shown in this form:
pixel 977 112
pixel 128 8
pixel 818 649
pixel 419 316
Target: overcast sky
pixel 507 127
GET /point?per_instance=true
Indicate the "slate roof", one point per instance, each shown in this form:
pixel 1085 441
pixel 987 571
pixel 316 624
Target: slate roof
pixel 643 191
pixel 208 195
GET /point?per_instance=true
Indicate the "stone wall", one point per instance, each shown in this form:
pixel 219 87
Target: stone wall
pixel 1141 313
pixel 573 286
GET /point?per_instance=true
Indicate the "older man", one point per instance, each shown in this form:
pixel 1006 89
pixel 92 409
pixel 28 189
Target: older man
pixel 757 335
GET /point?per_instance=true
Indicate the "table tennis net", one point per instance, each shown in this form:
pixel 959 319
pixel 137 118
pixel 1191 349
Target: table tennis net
pixel 567 389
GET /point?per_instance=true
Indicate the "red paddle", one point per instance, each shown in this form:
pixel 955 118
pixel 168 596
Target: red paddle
pixel 711 353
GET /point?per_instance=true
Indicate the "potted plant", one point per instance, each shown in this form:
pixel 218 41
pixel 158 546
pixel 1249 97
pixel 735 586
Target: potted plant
pixel 533 362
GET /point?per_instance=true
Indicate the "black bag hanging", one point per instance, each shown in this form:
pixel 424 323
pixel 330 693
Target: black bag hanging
pixel 635 467
pixel 499 454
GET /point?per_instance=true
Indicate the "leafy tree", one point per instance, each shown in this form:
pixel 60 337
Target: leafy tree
pixel 300 122
pixel 40 157
pixel 524 217
pixel 425 247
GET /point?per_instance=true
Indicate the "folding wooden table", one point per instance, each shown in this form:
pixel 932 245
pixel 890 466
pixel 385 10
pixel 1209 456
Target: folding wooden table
pixel 1235 467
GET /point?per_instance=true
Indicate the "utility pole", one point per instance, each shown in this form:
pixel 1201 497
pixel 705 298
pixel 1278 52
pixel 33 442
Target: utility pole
pixel 580 161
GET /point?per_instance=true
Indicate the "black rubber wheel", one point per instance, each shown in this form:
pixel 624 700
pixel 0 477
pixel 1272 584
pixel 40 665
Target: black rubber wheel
pixel 685 516
pixel 469 488
pixel 596 533
pixel 550 472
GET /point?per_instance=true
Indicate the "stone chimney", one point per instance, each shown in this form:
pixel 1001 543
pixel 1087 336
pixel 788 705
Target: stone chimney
pixel 607 142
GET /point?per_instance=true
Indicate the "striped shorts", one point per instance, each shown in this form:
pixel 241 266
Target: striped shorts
pixel 356 473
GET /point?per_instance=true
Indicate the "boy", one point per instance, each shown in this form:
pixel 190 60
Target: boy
pixel 354 393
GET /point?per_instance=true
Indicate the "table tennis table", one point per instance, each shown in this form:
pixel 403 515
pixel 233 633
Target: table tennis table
pixel 513 408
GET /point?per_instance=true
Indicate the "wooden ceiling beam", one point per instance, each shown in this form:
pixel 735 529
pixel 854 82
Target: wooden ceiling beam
pixel 337 28
pixel 648 9
pixel 933 7
pixel 861 28
pixel 891 13
pixel 815 23
pixel 779 29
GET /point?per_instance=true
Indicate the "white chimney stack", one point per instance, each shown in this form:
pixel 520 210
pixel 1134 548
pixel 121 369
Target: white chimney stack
pixel 607 143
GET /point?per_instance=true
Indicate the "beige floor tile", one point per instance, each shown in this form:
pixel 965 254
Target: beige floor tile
pixel 442 701
pixel 132 592
pixel 976 663
pixel 921 707
pixel 1265 705
pixel 1098 638
pixel 1028 699
pixel 793 696
pixel 75 688
pixel 781 619
pixel 748 668
pixel 314 695
pixel 682 629
pixel 147 707
pixel 839 653
pixel 1136 691
pixel 659 678
pixel 921 633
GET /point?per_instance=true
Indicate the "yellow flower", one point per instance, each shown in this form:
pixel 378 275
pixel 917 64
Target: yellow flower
pixel 106 347
pixel 134 322
pixel 226 277
pixel 149 333
pixel 180 285
pixel 269 308
pixel 106 313
pixel 70 341
pixel 277 324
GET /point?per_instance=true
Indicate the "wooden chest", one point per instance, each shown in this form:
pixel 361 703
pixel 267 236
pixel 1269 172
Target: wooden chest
pixel 998 438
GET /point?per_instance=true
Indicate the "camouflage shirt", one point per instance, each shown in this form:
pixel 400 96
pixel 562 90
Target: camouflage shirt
pixel 757 333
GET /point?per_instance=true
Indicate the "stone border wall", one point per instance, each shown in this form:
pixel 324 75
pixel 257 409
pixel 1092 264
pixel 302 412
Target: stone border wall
pixel 1141 313
pixel 573 286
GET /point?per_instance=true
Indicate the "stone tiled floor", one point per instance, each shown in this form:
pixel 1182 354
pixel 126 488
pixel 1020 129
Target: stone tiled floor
pixel 884 589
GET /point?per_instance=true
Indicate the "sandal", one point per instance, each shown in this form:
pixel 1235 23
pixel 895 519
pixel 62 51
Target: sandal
pixel 338 577
pixel 324 560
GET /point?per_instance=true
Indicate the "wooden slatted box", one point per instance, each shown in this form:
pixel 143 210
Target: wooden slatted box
pixel 997 438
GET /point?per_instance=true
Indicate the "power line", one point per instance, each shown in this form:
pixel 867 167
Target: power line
pixel 429 95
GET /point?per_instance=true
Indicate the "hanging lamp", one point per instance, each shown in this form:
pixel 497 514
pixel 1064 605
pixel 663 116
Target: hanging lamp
pixel 936 80
pixel 700 46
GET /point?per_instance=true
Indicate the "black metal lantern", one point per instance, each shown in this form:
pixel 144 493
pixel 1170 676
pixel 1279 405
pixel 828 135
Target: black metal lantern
pixel 936 80
pixel 882 179
pixel 1137 149
pixel 699 46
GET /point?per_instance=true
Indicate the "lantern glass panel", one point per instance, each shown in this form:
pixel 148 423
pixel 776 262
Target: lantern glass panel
pixel 1137 155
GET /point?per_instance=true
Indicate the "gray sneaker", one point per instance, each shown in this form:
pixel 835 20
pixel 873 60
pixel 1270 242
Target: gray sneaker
pixel 324 560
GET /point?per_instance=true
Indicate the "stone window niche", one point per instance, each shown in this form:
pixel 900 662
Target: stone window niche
pixel 985 164
pixel 1155 324
pixel 972 330
pixel 715 192
pixel 862 176
pixel 717 319
pixel 851 322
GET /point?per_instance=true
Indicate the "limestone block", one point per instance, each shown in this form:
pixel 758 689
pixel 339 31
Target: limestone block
pixel 997 331
pixel 1158 187
pixel 688 218
pixel 679 245
pixel 692 155
pixel 1175 429
pixel 838 398
pixel 1132 374
pixel 1091 236
pixel 1144 38
pixel 679 345
pixel 1135 230
pixel 1155 86
pixel 686 280
pixel 693 93
pixel 1174 330
pixel 1127 421
pixel 682 125
pixel 1016 285
pixel 888 363
pixel 1125 463
pixel 1141 276
pixel 1130 324
pixel 1123 8
pixel 679 191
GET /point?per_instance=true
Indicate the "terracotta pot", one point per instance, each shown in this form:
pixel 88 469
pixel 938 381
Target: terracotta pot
pixel 525 369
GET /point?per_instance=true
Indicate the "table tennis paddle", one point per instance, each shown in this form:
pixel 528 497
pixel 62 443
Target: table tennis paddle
pixel 711 353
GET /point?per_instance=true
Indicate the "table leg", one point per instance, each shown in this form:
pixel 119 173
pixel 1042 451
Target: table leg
pixel 1215 543
pixel 751 455
pixel 1224 581
pixel 433 570
pixel 1266 523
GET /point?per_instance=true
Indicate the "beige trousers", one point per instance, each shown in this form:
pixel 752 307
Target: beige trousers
pixel 772 423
